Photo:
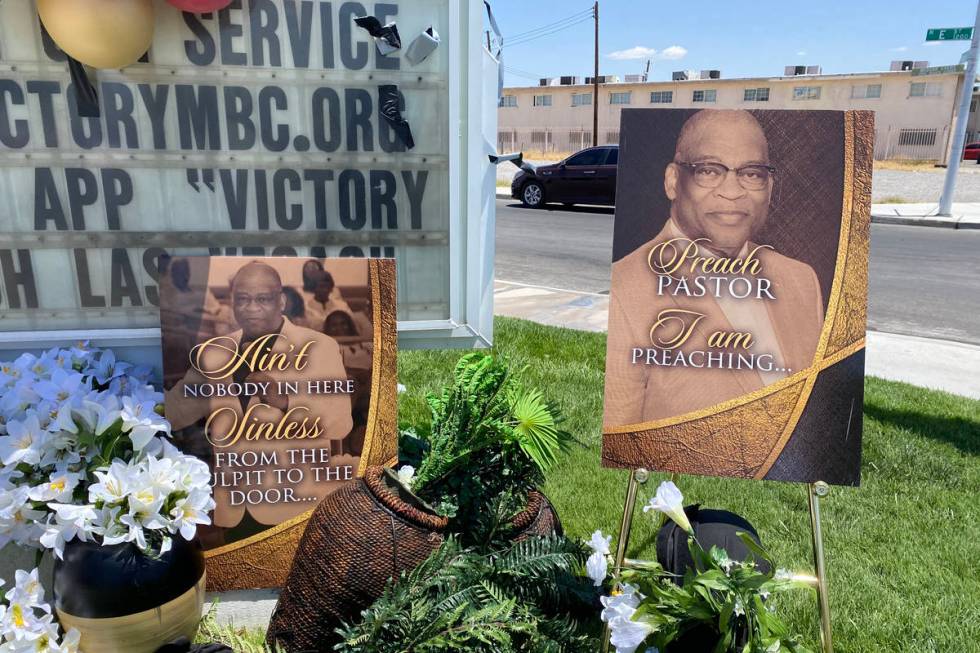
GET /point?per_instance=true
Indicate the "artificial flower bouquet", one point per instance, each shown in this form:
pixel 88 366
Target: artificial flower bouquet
pixel 729 600
pixel 26 622
pixel 84 455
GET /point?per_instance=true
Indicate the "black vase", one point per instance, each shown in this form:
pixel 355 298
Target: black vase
pixel 123 601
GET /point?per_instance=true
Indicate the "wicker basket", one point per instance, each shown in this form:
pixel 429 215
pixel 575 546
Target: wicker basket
pixel 356 540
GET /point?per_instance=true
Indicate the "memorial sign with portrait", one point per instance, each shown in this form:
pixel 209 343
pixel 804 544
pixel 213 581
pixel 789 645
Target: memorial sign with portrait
pixel 281 374
pixel 738 295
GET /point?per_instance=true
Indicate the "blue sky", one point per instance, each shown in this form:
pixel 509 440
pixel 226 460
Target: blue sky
pixel 742 38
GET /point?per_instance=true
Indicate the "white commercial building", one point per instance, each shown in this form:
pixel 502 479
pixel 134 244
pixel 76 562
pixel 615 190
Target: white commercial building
pixel 914 108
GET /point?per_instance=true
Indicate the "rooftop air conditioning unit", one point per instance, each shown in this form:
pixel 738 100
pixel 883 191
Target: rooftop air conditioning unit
pixel 569 81
pixel 919 64
pixel 545 81
pixel 710 74
pixel 792 71
pixel 679 76
pixel 899 65
pixel 635 79
pixel 814 70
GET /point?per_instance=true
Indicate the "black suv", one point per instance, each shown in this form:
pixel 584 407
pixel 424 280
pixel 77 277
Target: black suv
pixel 586 177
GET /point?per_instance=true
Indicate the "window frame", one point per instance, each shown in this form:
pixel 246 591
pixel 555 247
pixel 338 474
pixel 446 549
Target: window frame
pixel 545 100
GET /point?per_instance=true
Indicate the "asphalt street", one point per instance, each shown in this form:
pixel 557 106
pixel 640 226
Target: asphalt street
pixel 923 280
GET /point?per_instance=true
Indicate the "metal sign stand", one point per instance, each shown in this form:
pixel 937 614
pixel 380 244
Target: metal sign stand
pixel 815 491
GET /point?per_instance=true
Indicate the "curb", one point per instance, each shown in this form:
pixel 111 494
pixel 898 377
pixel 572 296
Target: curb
pixel 955 222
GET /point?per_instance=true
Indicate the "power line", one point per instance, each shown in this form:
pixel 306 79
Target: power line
pixel 587 12
pixel 517 72
pixel 542 35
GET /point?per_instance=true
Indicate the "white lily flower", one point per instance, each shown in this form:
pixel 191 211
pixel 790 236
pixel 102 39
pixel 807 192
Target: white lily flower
pixel 597 568
pixel 59 487
pixel 69 522
pixel 23 443
pixel 600 543
pixel 141 422
pixel 190 512
pixel 27 585
pixel 406 476
pixel 670 501
pixel 627 635
pixel 114 484
pixel 622 602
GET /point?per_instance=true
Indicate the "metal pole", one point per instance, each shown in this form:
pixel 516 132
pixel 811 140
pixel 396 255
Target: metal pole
pixel 962 117
pixel 637 478
pixel 595 81
pixel 815 491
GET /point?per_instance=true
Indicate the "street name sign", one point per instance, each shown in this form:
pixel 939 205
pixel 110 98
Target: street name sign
pixel 949 34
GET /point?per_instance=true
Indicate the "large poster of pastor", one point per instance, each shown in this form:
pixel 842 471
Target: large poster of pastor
pixel 280 373
pixel 738 296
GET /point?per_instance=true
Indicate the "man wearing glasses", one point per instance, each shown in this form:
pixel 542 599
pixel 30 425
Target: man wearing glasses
pixel 702 314
pixel 257 392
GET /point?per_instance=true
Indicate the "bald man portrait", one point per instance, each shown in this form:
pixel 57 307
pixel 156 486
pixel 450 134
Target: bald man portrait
pixel 703 312
pixel 258 302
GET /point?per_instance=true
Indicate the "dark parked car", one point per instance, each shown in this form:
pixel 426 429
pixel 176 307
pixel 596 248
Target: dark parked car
pixel 971 152
pixel 586 177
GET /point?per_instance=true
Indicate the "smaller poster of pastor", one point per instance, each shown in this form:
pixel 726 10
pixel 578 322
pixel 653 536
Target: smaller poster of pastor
pixel 738 299
pixel 281 374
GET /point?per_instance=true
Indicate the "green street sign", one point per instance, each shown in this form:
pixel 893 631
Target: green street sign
pixel 949 34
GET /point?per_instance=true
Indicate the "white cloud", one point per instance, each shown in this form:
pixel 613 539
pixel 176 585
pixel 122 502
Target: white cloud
pixel 901 48
pixel 636 52
pixel 673 52
pixel 801 53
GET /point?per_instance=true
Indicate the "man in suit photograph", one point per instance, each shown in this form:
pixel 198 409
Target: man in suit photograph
pixel 720 187
pixel 258 302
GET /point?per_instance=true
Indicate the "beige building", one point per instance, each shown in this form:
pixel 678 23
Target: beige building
pixel 913 109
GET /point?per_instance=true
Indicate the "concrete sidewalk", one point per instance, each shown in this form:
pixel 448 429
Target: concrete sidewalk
pixel 966 215
pixel 938 364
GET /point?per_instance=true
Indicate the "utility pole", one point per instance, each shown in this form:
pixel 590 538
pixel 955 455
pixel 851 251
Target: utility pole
pixel 595 80
pixel 962 117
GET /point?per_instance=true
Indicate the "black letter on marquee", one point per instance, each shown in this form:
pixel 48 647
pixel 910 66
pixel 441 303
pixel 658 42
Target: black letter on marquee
pixel 358 107
pixel 83 190
pixel 89 300
pixel 282 178
pixel 416 193
pixel 228 32
pixel 383 198
pixel 326 34
pixel 156 108
pixel 47 204
pixel 352 58
pixel 12 278
pixel 45 92
pixel 118 107
pixel 382 12
pixel 356 221
pixel 264 21
pixel 300 28
pixel 236 196
pixel 202 51
pixel 16 135
pixel 117 187
pixel 238 115
pixel 123 281
pixel 151 263
pixel 84 138
pixel 319 179
pixel 326 106
pixel 269 96
pixel 198 119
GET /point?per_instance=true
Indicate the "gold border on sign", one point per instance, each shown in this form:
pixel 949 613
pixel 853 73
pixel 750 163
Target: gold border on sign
pixel 228 564
pixel 834 334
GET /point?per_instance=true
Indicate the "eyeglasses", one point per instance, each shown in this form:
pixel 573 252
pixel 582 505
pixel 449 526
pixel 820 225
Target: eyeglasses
pixel 709 174
pixel 263 301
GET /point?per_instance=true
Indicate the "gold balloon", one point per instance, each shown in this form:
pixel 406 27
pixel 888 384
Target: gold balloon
pixel 100 33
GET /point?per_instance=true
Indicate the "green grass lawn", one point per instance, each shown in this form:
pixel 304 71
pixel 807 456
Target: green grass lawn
pixel 903 550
